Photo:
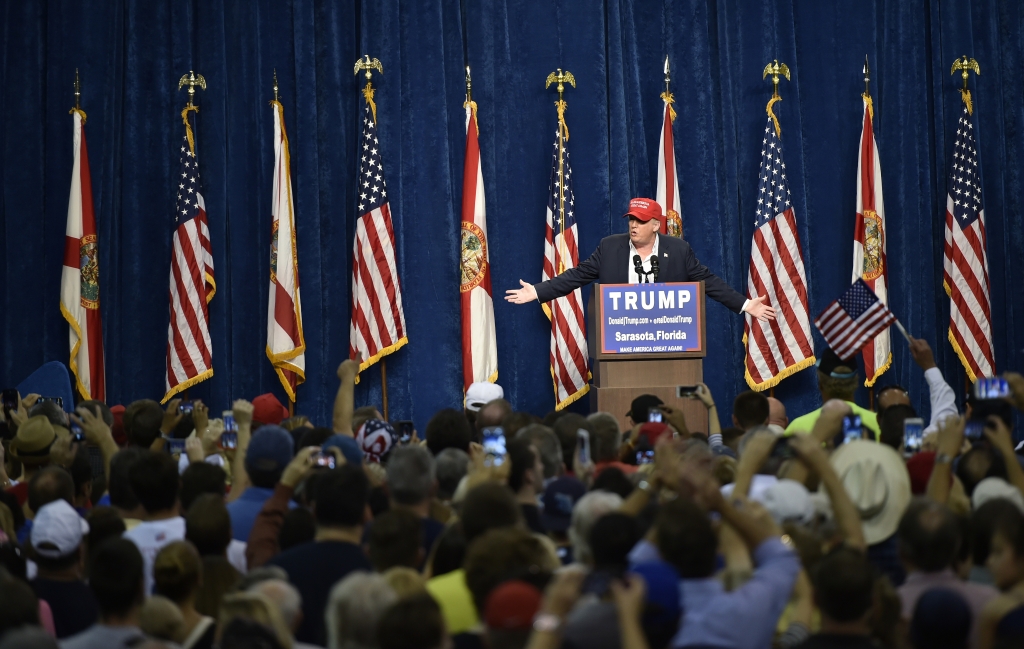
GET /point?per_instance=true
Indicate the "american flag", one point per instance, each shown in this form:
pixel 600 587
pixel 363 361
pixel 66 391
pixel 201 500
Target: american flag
pixel 964 260
pixel 189 352
pixel 853 320
pixel 779 347
pixel 569 357
pixel 378 321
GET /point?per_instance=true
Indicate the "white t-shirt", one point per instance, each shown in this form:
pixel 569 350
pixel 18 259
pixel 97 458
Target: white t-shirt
pixel 236 555
pixel 151 536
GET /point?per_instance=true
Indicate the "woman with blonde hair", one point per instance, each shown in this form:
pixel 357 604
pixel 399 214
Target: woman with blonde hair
pixel 244 617
pixel 178 576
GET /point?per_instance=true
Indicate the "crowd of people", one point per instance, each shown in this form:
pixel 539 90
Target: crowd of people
pixel 151 526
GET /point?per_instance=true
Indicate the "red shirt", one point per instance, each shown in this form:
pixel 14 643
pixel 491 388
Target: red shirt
pixel 20 491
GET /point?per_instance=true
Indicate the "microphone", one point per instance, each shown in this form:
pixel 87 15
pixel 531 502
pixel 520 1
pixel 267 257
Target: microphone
pixel 638 266
pixel 654 268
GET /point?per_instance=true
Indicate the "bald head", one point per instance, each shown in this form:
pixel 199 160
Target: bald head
pixel 777 412
pixel 285 597
pixel 492 414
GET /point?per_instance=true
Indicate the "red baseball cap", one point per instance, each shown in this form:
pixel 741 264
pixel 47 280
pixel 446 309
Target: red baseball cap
pixel 266 409
pixel 512 606
pixel 644 209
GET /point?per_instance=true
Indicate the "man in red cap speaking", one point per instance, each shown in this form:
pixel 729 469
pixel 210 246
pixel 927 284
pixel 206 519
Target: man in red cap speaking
pixel 642 256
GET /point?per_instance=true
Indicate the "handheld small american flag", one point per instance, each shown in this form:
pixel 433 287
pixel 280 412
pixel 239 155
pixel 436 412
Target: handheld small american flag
pixel 780 347
pixel 964 259
pixel 869 260
pixel 853 320
pixel 189 351
pixel 378 320
pixel 569 356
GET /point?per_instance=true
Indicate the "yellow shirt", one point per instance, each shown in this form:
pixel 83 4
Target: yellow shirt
pixel 805 423
pixel 452 594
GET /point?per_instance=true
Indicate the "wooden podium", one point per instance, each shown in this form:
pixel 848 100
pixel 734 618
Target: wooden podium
pixel 620 377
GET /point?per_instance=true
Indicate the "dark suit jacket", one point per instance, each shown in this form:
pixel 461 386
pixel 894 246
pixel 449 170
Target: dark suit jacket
pixel 610 265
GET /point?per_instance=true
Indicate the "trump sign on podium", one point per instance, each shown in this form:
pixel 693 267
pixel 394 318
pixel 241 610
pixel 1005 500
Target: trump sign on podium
pixel 651 318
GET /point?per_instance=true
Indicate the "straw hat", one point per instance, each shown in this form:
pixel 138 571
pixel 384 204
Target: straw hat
pixel 878 484
pixel 32 444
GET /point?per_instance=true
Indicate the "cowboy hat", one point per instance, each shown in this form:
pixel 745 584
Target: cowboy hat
pixel 32 443
pixel 878 484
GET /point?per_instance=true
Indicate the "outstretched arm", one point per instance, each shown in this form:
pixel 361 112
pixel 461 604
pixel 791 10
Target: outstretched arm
pixel 717 289
pixel 567 282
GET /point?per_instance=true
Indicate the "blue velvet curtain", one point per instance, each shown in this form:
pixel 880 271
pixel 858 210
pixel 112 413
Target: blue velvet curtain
pixel 130 54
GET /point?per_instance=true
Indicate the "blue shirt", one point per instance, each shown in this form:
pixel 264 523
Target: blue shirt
pixel 244 511
pixel 746 617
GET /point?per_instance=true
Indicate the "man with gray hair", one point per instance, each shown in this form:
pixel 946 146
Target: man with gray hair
pixel 605 442
pixel 545 441
pixel 355 607
pixel 411 482
pixel 588 509
pixel 287 599
pixel 451 464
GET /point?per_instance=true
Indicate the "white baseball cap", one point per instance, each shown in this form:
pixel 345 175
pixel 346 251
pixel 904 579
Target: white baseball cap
pixel 480 394
pixel 992 488
pixel 788 500
pixel 57 530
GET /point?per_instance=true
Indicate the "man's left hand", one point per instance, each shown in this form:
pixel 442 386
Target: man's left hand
pixel 756 307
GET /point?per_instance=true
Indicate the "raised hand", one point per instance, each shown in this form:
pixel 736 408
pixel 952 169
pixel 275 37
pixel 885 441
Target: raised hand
pixel 194 450
pixel 1016 382
pixel 200 416
pixel 523 295
pixel 756 307
pixel 171 417
pixel 242 411
pixel 922 353
pixel 348 369
pixel 95 429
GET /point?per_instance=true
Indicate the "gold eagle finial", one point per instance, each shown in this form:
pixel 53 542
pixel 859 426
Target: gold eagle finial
pixel 776 69
pixel 966 65
pixel 191 80
pixel 561 78
pixel 368 64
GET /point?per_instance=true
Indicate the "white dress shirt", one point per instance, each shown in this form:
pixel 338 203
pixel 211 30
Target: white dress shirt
pixel 646 265
pixel 633 277
pixel 943 400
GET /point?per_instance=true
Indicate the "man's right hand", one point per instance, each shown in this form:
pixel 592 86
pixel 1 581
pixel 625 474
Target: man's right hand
pixel 299 467
pixel 951 436
pixel 922 353
pixel 522 295
pixel 96 430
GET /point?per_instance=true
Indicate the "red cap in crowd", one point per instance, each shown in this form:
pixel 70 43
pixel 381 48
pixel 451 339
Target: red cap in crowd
pixel 512 606
pixel 653 431
pixel 644 209
pixel 266 409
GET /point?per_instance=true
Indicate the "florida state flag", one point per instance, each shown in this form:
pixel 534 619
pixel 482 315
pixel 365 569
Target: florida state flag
pixel 869 263
pixel 479 345
pixel 80 281
pixel 286 347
